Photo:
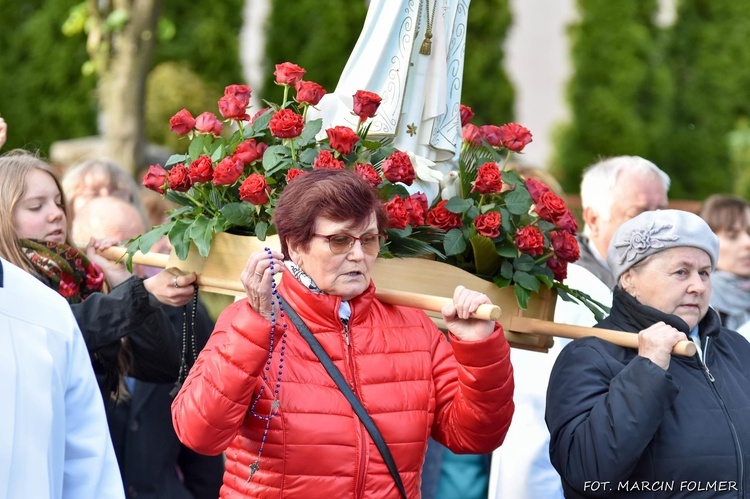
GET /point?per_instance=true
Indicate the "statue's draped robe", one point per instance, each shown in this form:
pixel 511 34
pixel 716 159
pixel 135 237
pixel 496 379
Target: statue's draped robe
pixel 421 93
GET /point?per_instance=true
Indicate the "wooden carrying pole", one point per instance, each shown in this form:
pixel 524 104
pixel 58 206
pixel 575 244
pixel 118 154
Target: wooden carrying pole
pixel 523 325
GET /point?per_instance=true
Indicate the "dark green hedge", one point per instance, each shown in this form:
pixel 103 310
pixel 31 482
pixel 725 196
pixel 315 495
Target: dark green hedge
pixel 615 88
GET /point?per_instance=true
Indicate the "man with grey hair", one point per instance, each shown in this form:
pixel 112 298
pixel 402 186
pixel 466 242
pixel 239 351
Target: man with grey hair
pixel 613 191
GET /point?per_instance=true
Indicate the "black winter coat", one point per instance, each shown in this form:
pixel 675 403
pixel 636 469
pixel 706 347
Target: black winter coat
pixel 620 426
pixel 128 311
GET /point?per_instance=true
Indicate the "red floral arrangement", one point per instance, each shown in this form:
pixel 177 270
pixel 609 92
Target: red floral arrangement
pixel 501 226
pixel 489 221
pixel 237 165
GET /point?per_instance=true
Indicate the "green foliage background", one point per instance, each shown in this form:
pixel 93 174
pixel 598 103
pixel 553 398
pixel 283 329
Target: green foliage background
pixel 677 95
pixel 710 65
pixel 616 87
pixel 43 96
pixel 486 87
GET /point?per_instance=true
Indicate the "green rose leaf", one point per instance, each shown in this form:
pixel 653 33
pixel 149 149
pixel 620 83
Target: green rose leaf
pixel 180 239
pixel 201 232
pixel 261 229
pixel 522 296
pixel 454 242
pixel 526 280
pixel 241 213
pixel 458 205
pixel 176 158
pixel 524 263
pixel 507 250
pixel 307 156
pixel 309 132
pixel 518 201
pixel 275 158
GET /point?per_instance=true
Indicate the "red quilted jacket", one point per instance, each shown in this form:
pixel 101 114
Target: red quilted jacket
pixel 409 378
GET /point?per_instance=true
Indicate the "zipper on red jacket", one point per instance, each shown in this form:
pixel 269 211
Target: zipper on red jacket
pixel 361 432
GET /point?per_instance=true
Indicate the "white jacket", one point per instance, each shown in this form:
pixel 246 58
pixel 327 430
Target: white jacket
pixel 54 439
pixel 521 467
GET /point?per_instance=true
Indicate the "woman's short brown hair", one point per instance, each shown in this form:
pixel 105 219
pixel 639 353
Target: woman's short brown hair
pixel 337 195
pixel 725 212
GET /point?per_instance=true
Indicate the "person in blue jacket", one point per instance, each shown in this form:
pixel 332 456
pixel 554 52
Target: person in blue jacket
pixel 646 423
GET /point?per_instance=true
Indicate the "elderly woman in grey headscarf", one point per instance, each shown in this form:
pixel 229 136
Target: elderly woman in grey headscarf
pixel 645 423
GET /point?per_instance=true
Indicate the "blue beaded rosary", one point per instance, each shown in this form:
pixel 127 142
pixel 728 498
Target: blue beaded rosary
pixel 275 298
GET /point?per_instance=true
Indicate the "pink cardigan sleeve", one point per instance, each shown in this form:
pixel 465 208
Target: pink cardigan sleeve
pixel 211 406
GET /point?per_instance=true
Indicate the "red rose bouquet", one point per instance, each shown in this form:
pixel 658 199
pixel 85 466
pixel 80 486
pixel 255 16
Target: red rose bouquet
pixel 238 164
pixel 501 226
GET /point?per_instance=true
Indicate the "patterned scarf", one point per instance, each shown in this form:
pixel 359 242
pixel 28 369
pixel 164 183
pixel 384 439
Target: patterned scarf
pixel 64 269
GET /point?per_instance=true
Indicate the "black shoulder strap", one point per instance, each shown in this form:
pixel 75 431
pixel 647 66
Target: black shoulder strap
pixel 356 404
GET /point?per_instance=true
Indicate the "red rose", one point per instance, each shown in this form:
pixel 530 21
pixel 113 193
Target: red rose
pixel 293 173
pixel 416 207
pixel 366 104
pixel 568 223
pixel 565 246
pixel 466 115
pixel 368 173
pixel 240 92
pixel 398 217
pixel 309 92
pixel 249 151
pixel 442 218
pixel 398 168
pixel 182 122
pixel 201 170
pixel 515 137
pixel 227 171
pixel 488 224
pixel 155 178
pixel 286 124
pixel 471 134
pixel 492 134
pixel 550 207
pixel 535 188
pixel 179 178
pixel 489 179
pixel 326 160
pixel 255 189
pixel 288 73
pixel 560 269
pixel 232 108
pixel 342 139
pixel 208 123
pixel 530 241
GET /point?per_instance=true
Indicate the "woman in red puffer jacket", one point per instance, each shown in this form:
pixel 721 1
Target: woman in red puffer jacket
pixel 260 394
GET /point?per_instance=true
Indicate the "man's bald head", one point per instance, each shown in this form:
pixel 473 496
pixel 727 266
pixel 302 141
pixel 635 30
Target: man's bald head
pixel 107 217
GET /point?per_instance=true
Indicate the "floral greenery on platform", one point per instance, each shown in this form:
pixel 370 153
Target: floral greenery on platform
pixel 490 221
pixel 236 168
pixel 502 227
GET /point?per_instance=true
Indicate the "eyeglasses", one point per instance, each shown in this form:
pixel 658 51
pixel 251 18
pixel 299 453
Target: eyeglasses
pixel 343 243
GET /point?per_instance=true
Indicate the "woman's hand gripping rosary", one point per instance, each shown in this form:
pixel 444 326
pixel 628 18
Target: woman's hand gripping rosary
pixel 257 279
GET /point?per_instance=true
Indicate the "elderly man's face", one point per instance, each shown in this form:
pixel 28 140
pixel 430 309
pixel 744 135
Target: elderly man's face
pixel 676 281
pixel 633 194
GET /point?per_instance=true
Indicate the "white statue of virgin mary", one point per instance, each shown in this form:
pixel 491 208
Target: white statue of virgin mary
pixel 411 53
